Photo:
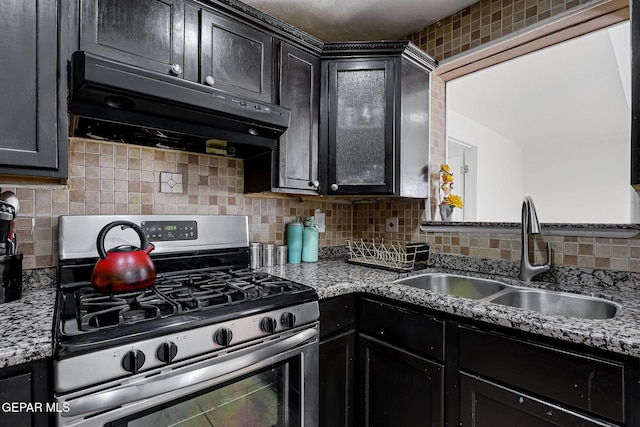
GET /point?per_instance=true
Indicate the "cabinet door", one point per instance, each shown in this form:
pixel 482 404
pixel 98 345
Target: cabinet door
pixel 25 383
pixel 235 57
pixel 487 404
pixel 146 33
pixel 581 381
pixel 337 364
pixel 398 388
pixel 299 92
pixel 361 127
pixel 28 82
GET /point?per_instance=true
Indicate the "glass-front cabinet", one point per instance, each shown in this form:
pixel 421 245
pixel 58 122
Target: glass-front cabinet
pixel 360 157
pixel 376 112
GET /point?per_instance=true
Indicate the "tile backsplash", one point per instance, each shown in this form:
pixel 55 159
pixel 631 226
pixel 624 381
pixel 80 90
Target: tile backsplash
pixel 587 252
pixel 112 178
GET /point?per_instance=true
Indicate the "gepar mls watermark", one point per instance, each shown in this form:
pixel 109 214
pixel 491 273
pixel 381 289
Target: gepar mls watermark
pixel 34 407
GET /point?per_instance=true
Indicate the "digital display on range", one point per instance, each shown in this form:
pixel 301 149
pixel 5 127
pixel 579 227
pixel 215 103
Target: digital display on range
pixel 158 231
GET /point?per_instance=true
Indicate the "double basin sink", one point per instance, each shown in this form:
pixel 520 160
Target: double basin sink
pixel 493 291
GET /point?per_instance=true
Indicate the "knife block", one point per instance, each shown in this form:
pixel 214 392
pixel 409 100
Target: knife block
pixel 10 277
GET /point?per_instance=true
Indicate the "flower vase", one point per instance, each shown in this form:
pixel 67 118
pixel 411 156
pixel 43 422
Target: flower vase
pixel 446 212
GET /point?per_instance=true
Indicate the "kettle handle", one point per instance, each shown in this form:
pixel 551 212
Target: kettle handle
pixel 144 243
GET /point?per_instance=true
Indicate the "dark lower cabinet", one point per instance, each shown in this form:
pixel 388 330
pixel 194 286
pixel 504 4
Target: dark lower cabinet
pixel 484 403
pixel 25 384
pixel 415 367
pixel 575 381
pixel 398 388
pixel 337 369
pixel 337 361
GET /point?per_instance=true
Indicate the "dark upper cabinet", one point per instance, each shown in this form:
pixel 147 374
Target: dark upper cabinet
pixel 235 57
pixel 146 33
pixel 293 167
pixel 33 127
pixel 375 115
pixel 361 120
pixel 299 92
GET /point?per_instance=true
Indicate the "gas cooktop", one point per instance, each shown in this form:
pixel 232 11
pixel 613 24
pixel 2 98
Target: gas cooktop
pixel 202 279
pixel 172 295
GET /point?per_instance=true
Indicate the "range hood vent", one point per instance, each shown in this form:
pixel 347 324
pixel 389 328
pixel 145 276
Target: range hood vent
pixel 105 95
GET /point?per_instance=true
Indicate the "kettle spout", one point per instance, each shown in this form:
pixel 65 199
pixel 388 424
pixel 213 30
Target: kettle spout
pixel 149 248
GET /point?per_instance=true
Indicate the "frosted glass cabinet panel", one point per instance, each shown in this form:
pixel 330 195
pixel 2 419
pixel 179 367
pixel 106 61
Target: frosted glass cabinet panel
pixel 361 127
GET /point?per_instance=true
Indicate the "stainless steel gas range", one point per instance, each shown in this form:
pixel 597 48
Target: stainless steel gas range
pixel 210 343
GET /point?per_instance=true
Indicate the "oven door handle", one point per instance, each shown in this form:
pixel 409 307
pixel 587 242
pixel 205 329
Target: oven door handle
pixel 155 386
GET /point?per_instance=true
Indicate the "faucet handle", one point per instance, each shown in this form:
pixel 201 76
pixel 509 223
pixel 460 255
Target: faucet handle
pixel 548 262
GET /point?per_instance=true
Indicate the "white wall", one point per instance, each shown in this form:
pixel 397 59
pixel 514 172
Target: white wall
pixel 500 179
pixel 564 109
pixel 584 181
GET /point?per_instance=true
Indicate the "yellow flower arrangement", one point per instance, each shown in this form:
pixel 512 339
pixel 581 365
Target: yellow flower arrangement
pixel 453 200
pixel 446 188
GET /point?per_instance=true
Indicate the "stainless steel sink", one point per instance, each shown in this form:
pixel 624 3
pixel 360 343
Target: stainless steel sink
pixel 559 303
pixel 493 291
pixel 460 286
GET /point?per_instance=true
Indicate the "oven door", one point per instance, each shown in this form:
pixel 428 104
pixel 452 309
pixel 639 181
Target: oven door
pixel 267 384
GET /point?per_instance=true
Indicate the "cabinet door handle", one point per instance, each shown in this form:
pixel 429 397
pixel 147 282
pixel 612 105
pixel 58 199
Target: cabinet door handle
pixel 334 187
pixel 209 80
pixel 176 69
pixel 315 184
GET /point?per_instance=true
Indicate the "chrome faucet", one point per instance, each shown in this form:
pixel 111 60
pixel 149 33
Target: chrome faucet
pixel 530 225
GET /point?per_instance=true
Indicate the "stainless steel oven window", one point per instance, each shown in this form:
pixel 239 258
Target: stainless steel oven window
pixel 269 398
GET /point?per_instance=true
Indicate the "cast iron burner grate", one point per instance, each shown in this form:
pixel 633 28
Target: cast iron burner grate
pixel 98 310
pixel 177 293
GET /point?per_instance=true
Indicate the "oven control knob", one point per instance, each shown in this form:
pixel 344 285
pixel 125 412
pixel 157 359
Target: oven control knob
pixel 268 325
pixel 288 319
pixel 223 337
pixel 133 361
pixel 166 352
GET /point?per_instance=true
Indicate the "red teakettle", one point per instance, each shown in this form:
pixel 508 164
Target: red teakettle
pixel 124 267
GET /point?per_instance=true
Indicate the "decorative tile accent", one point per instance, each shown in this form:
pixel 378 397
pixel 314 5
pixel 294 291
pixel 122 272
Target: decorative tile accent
pixel 170 182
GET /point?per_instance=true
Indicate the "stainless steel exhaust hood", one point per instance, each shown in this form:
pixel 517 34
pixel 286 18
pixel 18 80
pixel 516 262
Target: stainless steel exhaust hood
pixel 166 111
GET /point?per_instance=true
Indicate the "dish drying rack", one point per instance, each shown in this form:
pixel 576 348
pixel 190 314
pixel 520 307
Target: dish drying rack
pixel 391 255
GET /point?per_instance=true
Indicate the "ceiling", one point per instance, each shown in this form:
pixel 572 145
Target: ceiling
pixel 356 20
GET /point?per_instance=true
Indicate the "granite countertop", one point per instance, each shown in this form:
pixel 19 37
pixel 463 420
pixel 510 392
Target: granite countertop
pixel 28 327
pixel 620 334
pixel 27 334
